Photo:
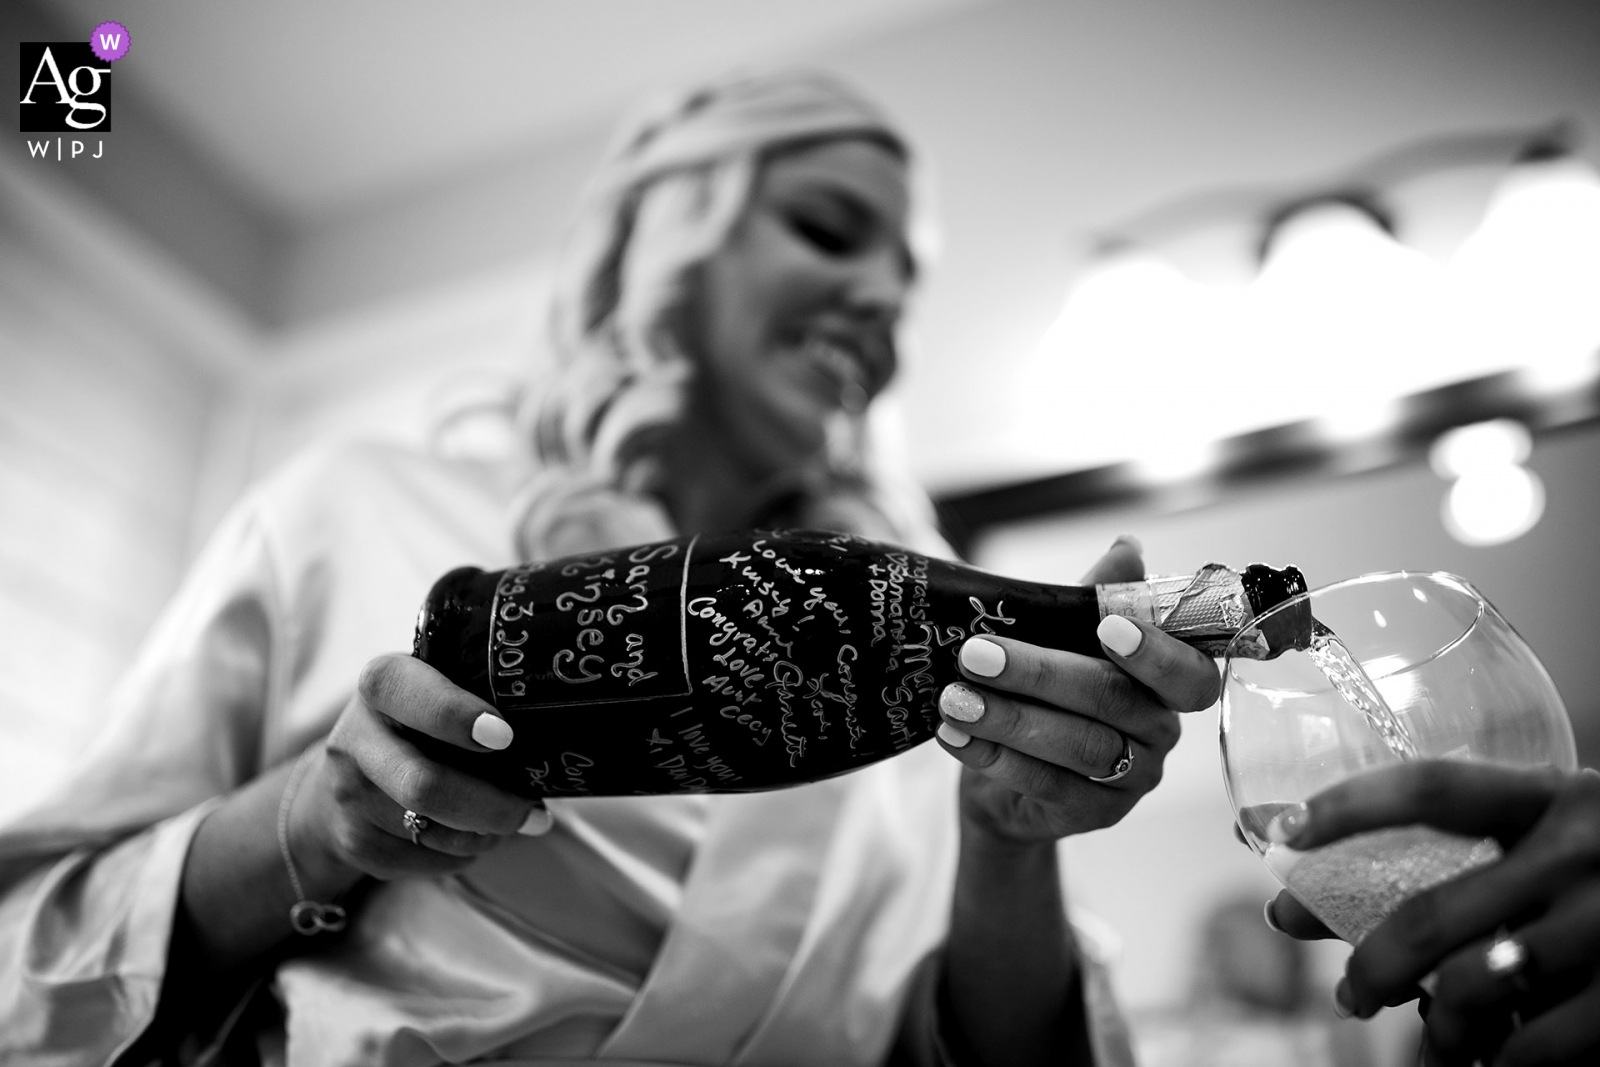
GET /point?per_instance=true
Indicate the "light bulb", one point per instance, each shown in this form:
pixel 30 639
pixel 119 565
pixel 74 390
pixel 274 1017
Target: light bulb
pixel 1478 446
pixel 1493 505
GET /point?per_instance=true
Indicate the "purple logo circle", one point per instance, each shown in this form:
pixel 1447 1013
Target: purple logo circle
pixel 109 41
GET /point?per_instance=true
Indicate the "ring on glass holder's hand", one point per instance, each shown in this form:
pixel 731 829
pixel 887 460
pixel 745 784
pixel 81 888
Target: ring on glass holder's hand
pixel 1507 958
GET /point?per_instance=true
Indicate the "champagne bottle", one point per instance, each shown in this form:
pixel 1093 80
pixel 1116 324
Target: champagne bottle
pixel 764 659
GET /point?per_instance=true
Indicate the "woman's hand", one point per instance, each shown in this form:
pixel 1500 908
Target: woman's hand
pixel 1545 894
pixel 1037 725
pixel 355 799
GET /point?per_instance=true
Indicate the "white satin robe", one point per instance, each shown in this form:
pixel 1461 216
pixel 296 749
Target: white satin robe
pixel 777 928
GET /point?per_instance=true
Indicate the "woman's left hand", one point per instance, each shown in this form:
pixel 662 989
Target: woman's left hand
pixel 1041 724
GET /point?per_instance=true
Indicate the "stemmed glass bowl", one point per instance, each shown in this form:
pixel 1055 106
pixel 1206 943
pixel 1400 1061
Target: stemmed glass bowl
pixel 1460 683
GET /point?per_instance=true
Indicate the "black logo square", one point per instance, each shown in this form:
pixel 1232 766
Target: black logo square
pixel 66 88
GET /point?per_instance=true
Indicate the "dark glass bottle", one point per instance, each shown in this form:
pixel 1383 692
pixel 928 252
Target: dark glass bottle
pixel 765 658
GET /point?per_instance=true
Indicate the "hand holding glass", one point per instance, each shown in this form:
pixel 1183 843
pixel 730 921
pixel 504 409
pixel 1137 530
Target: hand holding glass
pixel 1449 679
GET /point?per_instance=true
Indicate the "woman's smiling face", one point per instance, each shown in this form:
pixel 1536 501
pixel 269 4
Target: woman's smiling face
pixel 794 318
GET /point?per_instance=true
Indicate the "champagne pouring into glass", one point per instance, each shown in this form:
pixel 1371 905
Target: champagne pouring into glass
pixel 1398 666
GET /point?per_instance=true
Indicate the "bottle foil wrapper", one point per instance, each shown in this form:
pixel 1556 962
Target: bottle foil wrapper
pixel 1205 609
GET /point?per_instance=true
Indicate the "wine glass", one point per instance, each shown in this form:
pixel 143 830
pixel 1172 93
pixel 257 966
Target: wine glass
pixel 1449 679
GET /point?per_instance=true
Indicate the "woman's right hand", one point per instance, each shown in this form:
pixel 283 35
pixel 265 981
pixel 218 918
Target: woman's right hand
pixel 357 793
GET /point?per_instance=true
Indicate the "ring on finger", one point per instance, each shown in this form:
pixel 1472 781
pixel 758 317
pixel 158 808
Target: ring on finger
pixel 1121 768
pixel 1507 958
pixel 415 824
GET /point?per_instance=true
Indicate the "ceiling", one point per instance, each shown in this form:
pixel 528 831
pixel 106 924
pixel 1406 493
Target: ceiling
pixel 321 104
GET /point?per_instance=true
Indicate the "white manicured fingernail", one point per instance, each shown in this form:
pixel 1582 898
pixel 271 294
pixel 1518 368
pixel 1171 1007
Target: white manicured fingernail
pixel 961 702
pixel 953 737
pixel 1271 920
pixel 491 731
pixel 1120 635
pixel 537 823
pixel 984 658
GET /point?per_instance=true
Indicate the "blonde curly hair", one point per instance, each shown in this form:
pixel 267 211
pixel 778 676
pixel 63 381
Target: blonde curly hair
pixel 615 378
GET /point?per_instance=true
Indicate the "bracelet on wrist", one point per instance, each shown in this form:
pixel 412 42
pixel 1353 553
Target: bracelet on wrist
pixel 308 917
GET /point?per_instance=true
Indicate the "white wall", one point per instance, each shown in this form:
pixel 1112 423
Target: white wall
pixel 392 368
pixel 134 408
pixel 105 403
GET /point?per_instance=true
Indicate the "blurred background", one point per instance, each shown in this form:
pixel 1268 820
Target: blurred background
pixel 1255 281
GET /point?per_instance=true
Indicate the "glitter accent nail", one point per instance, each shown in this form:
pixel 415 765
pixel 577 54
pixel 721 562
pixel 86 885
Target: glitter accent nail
pixel 961 702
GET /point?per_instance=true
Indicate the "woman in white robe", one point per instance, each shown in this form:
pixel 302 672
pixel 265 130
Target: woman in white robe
pixel 726 310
